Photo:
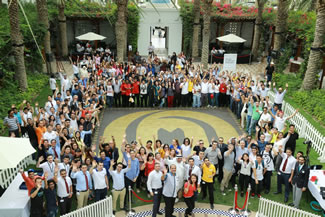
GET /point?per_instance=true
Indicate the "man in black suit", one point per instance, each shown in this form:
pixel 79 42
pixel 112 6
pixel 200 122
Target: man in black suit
pixel 299 181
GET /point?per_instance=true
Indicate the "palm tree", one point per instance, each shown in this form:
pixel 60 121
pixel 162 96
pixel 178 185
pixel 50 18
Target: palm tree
pixel 281 24
pixel 17 45
pixel 258 25
pixel 315 55
pixel 196 29
pixel 303 5
pixel 43 17
pixel 207 5
pixel 63 28
pixel 121 29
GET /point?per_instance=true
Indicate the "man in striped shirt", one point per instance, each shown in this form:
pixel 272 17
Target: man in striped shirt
pixel 12 123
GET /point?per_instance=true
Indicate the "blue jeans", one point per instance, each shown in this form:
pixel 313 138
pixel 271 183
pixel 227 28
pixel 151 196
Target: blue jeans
pixel 216 99
pixel 162 102
pixel 52 212
pixel 252 126
pixel 109 101
pixel 248 123
pixel 196 101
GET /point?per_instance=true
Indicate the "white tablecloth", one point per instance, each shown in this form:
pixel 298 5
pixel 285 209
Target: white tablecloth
pixel 315 189
pixel 15 202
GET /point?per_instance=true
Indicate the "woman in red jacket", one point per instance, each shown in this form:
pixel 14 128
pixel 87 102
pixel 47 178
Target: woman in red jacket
pixel 190 188
pixel 223 94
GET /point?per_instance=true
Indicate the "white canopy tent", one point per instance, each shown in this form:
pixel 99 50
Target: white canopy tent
pixel 90 36
pixel 231 38
pixel 14 150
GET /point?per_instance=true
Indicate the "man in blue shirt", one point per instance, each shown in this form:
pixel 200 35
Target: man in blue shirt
pixel 84 184
pixel 132 175
pixel 106 161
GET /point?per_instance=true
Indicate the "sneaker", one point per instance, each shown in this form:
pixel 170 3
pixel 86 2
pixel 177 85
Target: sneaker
pixel 211 206
pixel 229 189
pixel 223 193
pixel 138 190
pixel 259 196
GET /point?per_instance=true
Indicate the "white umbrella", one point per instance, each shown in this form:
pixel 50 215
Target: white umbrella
pixel 90 36
pixel 231 38
pixel 14 150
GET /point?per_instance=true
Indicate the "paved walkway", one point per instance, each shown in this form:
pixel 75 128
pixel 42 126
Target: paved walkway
pixel 202 210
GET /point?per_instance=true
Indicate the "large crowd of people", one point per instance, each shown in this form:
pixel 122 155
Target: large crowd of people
pixel 74 167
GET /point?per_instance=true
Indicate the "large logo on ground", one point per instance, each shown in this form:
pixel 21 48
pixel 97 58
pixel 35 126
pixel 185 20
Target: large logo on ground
pixel 167 125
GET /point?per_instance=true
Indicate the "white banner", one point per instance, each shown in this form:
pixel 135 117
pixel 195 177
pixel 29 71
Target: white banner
pixel 229 62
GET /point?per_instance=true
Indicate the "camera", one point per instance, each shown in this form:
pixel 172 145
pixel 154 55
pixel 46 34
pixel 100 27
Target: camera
pixel 307 142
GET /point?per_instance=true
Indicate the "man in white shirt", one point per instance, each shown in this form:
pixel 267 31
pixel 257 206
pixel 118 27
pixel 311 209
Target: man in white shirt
pixel 109 94
pixel 258 175
pixel 191 168
pixel 279 95
pixel 50 134
pixel 64 190
pixel 64 165
pixel 154 186
pixel 100 180
pixel 280 120
pixel 286 172
pixel 265 118
pixel 47 166
pixel 184 91
pixel 204 92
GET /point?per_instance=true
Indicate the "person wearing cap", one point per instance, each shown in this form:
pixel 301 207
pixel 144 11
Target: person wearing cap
pixel 179 162
pixel 30 179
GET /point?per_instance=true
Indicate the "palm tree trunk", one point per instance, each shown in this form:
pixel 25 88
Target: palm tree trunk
pixel 281 24
pixel 63 29
pixel 121 29
pixel 257 32
pixel 43 17
pixel 17 45
pixel 206 32
pixel 315 56
pixel 196 30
